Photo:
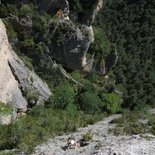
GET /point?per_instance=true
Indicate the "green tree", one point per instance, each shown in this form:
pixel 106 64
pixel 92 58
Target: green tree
pixel 89 102
pixel 63 96
pixel 110 103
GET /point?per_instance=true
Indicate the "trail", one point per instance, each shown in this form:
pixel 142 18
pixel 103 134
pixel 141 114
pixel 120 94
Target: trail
pixel 103 143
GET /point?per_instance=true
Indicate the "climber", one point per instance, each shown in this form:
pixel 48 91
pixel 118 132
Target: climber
pixel 59 14
pixel 71 143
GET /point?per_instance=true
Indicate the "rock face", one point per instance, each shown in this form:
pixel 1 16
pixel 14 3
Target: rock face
pixel 71 42
pixel 70 47
pixel 15 77
pixel 52 6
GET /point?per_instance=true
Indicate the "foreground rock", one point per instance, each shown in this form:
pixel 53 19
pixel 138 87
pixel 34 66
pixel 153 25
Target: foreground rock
pixel 103 142
pixel 15 78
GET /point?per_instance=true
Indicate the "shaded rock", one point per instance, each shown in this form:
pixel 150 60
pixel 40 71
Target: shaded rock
pixel 52 6
pixel 87 13
pixel 21 23
pixel 69 45
pixel 9 88
pixel 29 80
pixel 111 60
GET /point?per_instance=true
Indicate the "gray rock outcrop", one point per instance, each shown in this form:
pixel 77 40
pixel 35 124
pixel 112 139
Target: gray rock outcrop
pixel 15 77
pixel 69 41
pixel 70 44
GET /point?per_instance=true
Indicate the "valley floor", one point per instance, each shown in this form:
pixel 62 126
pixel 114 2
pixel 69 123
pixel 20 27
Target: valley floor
pixel 103 143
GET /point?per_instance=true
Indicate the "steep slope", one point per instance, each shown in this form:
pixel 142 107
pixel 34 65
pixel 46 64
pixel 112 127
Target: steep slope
pixel 129 25
pixel 14 77
pixel 103 143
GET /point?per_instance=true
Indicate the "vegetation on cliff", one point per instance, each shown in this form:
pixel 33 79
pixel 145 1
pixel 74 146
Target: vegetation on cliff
pixel 129 26
pixel 126 26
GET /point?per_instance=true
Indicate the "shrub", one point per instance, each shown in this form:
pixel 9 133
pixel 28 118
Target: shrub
pixel 89 87
pixel 101 44
pixel 10 30
pixel 87 136
pixel 63 96
pixel 71 110
pixel 6 137
pixel 89 103
pixel 27 10
pixel 31 96
pixel 7 10
pixel 92 76
pixel 4 110
pixel 110 103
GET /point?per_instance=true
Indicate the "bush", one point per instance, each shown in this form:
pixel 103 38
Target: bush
pixel 92 76
pixel 110 103
pixel 6 137
pixel 89 87
pixel 89 103
pixel 63 96
pixel 10 30
pixel 27 10
pixel 101 45
pixel 87 136
pixel 7 10
pixel 4 110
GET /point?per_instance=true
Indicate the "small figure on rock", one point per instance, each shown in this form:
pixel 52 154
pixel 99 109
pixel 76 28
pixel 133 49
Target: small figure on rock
pixel 72 144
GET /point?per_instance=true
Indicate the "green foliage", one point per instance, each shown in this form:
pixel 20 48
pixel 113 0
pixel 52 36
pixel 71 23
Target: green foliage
pixel 87 136
pixel 89 87
pixel 130 28
pixel 89 103
pixel 27 9
pixel 101 45
pixel 5 109
pixel 7 137
pixel 10 30
pixel 31 97
pixel 92 76
pixel 111 103
pixel 7 10
pixel 134 122
pixel 39 125
pixel 63 96
pixel 7 153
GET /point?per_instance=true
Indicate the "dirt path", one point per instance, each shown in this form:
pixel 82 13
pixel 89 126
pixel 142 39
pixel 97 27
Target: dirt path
pixel 103 143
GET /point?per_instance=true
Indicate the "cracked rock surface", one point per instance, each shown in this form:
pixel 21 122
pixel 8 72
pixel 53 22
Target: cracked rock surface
pixel 15 77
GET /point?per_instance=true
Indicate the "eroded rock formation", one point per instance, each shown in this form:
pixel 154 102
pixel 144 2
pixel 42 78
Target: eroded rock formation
pixel 15 77
pixel 72 40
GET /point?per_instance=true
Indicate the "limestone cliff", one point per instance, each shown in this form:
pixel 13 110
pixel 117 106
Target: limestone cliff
pixel 15 78
pixel 67 32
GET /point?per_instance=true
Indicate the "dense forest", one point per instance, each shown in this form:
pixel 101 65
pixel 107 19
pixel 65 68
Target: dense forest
pixel 129 26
